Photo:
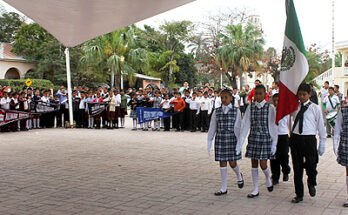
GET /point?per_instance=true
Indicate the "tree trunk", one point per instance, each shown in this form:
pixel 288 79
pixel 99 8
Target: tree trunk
pixel 241 79
pixel 276 76
pixel 233 80
pixel 112 78
pixel 170 83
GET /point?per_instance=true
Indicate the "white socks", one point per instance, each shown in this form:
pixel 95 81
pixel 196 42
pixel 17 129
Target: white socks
pixel 134 123
pixel 122 122
pixel 223 172
pixel 236 170
pixel 255 175
pixel 268 178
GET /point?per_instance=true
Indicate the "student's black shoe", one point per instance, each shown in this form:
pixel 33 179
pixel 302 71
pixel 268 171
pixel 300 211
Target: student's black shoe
pixel 297 200
pixel 241 183
pixel 328 136
pixel 275 182
pixel 250 196
pixel 286 177
pixel 345 204
pixel 219 193
pixel 270 189
pixel 312 190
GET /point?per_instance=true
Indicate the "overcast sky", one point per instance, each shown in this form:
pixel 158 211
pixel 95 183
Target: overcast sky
pixel 314 17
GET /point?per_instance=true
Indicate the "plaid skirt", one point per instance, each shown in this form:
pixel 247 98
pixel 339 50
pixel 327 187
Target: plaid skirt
pixel 133 114
pixel 225 147
pixel 342 152
pixel 259 147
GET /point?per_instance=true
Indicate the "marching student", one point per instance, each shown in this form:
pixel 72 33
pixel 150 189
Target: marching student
pixel 340 143
pixel 205 112
pixel 259 118
pixel 179 106
pixel 123 108
pixel 90 99
pixel 282 153
pixel 303 142
pixel 166 108
pixel 225 127
pixel 331 104
pixel 156 101
pixel 134 103
pixel 194 111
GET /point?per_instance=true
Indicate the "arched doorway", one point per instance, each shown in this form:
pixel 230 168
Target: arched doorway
pixel 31 74
pixel 12 73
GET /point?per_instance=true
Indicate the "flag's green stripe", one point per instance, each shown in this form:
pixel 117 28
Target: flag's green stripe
pixel 293 30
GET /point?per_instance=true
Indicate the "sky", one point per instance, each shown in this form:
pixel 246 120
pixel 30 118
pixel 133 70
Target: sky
pixel 314 17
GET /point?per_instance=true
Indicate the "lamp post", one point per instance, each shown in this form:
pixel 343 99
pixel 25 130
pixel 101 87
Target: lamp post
pixel 122 60
pixel 220 77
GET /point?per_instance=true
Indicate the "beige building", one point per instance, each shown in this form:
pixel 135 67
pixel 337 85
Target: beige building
pixel 338 75
pixel 11 65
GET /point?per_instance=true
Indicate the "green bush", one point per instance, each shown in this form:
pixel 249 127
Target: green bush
pixel 19 84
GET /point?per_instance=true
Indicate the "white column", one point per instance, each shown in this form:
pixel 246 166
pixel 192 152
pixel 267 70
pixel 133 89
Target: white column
pixel 68 79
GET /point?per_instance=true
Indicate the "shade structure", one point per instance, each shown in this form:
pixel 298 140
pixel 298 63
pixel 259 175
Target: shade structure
pixel 73 22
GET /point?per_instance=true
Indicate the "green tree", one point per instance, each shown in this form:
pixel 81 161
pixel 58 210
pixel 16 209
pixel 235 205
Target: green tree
pixel 10 23
pixel 188 71
pixel 241 48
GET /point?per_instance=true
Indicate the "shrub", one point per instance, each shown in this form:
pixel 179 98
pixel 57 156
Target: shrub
pixel 19 84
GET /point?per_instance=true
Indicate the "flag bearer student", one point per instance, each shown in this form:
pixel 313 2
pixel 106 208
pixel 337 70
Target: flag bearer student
pixel 225 127
pixel 90 99
pixel 111 110
pixel 303 142
pixel 179 106
pixel 156 101
pixel 166 108
pixel 123 108
pixel 134 103
pixel 81 117
pixel 194 111
pixel 205 112
pixel 331 103
pixel 259 118
pixel 282 153
pixel 340 142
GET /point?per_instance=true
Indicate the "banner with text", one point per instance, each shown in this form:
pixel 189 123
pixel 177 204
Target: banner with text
pixel 149 114
pixel 8 116
pixel 96 108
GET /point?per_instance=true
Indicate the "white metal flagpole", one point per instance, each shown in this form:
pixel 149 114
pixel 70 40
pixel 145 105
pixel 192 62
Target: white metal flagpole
pixel 68 80
pixel 333 42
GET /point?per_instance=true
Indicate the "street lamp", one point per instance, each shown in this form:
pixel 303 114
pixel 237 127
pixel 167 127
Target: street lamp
pixel 220 77
pixel 122 60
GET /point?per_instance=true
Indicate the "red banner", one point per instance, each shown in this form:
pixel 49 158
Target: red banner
pixel 8 116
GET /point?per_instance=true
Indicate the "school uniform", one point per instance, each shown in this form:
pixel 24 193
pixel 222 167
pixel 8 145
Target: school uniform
pixel 340 143
pixel 111 112
pixel 205 112
pixel 166 107
pixel 303 144
pixel 282 154
pixel 225 127
pixel 90 118
pixel 134 103
pixel 194 106
pixel 330 103
pixel 156 104
pixel 118 107
pixel 123 110
pixel 81 116
pixel 187 114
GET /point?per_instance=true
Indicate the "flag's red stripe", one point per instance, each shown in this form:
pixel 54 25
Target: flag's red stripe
pixel 288 102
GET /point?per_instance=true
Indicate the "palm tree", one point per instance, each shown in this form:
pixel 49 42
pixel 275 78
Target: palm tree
pixel 197 45
pixel 241 49
pixel 116 53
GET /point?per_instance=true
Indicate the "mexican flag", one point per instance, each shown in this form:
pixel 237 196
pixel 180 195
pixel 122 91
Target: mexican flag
pixel 294 65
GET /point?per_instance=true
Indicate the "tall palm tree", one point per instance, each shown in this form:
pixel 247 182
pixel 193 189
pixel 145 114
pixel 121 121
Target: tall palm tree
pixel 241 49
pixel 115 53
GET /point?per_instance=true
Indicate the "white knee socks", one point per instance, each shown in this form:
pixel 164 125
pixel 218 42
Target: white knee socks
pixel 135 123
pixel 255 175
pixel 122 122
pixel 268 178
pixel 236 170
pixel 223 172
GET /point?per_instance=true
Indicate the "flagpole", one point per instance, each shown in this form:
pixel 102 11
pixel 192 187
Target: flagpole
pixel 68 79
pixel 333 42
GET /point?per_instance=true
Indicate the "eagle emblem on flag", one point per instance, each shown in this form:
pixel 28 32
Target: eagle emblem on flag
pixel 288 58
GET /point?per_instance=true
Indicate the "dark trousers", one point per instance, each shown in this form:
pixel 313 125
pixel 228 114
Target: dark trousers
pixel 204 120
pixel 304 155
pixel 179 118
pixel 166 122
pixel 282 158
pixel 81 118
pixel 193 120
pixel 187 118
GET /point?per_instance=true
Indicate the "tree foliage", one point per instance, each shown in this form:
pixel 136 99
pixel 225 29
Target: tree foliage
pixel 10 23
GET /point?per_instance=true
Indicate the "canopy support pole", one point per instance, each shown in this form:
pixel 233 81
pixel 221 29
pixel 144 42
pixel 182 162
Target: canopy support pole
pixel 68 80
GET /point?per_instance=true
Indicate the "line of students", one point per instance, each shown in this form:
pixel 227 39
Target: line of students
pixel 267 141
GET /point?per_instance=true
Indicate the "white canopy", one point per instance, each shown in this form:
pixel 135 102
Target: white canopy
pixel 73 22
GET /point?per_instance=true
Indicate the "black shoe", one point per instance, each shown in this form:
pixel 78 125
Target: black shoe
pixel 219 193
pixel 312 190
pixel 286 177
pixel 275 182
pixel 241 183
pixel 270 189
pixel 297 200
pixel 328 136
pixel 250 196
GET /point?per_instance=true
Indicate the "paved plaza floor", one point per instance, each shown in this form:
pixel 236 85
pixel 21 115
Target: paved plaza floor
pixel 81 171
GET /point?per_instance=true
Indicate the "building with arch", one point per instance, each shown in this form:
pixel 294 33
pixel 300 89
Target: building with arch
pixel 11 65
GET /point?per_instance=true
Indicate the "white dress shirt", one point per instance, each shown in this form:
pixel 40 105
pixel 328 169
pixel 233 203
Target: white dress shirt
pixel 45 99
pixel 82 104
pixel 236 99
pixel 323 93
pixel 272 127
pixel 335 101
pixel 338 130
pixel 213 125
pixel 194 104
pixel 206 105
pixel 118 99
pixel 5 103
pixel 165 104
pixel 217 102
pixel 312 122
pixel 283 126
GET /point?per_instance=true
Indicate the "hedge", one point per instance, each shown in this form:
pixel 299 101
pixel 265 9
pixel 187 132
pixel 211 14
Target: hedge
pixel 19 84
